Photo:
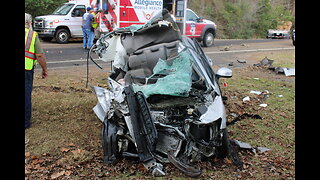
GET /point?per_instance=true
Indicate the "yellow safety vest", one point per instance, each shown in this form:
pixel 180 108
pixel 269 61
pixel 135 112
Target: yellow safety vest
pixel 30 56
pixel 94 23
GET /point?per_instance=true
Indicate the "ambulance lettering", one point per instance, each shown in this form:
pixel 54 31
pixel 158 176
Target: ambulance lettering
pixel 148 2
pixel 146 9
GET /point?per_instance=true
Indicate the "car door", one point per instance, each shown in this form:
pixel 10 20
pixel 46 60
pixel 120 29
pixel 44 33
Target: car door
pixel 76 20
pixel 194 25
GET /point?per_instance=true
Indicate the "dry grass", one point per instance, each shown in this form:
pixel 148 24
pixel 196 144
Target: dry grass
pixel 64 126
pixel 62 111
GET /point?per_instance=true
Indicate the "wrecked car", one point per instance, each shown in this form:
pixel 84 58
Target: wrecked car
pixel 163 103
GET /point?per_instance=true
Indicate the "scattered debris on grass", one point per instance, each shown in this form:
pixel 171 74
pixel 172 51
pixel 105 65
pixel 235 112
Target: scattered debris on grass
pixel 247 146
pixel 263 105
pixel 265 62
pixel 243 116
pixel 241 61
pixel 247 98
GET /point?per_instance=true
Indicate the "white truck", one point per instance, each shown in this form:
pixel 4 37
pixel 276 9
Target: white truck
pixel 65 22
pixel 278 34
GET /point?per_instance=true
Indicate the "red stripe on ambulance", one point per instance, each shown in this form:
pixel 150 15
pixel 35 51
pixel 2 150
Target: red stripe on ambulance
pixel 113 14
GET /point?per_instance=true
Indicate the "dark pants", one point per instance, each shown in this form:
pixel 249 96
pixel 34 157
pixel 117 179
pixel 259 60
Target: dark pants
pixel 28 81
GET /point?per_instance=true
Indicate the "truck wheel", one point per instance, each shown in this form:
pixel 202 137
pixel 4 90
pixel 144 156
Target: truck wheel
pixel 208 39
pixel 62 36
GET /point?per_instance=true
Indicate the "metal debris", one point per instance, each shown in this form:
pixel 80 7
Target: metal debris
pixel 289 71
pixel 262 149
pixel 247 146
pixel 255 92
pixel 265 62
pixel 263 105
pixel 247 98
pixel 241 61
pixel 242 116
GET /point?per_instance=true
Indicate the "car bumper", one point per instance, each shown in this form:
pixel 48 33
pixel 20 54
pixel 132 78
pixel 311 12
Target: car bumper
pixel 47 32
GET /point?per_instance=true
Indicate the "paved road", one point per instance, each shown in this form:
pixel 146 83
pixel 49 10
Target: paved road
pixel 72 54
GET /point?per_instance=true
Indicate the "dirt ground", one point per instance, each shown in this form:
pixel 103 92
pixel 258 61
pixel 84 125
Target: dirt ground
pixel 64 141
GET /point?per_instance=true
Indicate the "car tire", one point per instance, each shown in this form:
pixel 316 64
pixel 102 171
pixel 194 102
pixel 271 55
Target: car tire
pixel 208 39
pixel 62 36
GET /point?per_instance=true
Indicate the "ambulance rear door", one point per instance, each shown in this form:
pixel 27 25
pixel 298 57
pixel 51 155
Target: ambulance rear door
pixel 109 15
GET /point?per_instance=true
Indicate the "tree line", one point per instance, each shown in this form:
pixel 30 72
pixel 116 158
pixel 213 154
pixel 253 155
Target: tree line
pixel 244 19
pixel 42 7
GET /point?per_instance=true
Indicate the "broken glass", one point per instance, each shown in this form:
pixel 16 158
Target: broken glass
pixel 177 80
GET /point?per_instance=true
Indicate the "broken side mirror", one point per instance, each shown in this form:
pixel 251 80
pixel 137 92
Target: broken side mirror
pixel 224 73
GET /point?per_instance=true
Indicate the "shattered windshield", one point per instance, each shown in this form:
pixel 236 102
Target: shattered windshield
pixel 63 10
pixel 178 75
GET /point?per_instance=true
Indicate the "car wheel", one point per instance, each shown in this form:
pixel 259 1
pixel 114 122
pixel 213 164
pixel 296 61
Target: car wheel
pixel 62 36
pixel 208 39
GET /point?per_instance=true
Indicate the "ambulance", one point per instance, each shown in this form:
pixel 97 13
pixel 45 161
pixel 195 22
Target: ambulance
pixel 65 22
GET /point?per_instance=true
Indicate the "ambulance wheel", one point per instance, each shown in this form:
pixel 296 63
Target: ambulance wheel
pixel 208 39
pixel 62 36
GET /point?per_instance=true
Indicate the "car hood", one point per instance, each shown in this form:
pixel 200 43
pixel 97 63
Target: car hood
pixel 208 21
pixel 48 17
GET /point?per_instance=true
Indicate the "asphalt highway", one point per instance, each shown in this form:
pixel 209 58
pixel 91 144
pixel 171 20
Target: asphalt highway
pixel 72 54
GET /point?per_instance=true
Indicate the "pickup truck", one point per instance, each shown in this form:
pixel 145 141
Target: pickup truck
pixel 201 29
pixel 65 22
pixel 278 34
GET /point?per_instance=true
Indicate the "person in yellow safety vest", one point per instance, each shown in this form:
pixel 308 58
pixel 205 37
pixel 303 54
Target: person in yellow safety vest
pixel 33 53
pixel 94 22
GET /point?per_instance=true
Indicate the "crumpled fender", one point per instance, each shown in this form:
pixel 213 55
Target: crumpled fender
pixel 215 111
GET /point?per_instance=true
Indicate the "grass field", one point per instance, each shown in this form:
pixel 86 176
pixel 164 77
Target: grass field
pixel 64 140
